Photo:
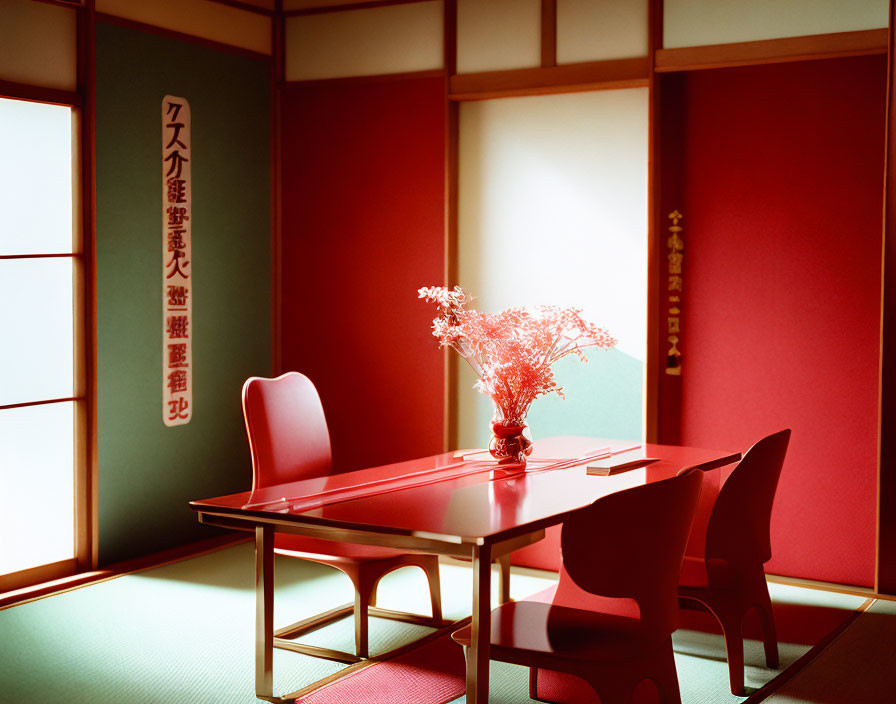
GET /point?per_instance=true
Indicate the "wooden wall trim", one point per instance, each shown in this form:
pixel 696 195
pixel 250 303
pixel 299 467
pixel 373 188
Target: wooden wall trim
pixel 248 7
pixel 56 585
pixel 592 75
pixel 180 36
pixel 452 188
pixel 652 369
pixel 452 185
pixel 70 4
pixel 43 402
pixel 349 6
pixel 885 567
pixel 832 587
pixel 33 575
pixel 548 33
pixel 87 504
pixel 24 91
pixel 449 36
pixel 361 80
pixel 278 74
pixel 817 46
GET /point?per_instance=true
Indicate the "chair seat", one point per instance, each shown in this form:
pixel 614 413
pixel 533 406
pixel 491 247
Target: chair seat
pixel 330 551
pixel 694 573
pixel 566 633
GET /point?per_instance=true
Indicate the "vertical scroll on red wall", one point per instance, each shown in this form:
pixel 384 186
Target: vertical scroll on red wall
pixel 783 198
pixel 670 163
pixel 363 229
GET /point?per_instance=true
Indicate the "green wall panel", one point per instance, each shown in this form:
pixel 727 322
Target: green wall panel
pixel 148 472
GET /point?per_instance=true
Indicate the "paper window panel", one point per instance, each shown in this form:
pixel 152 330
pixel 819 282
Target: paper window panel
pixel 702 22
pixel 596 30
pixel 553 210
pixel 497 35
pixel 38 44
pixel 366 42
pixel 35 178
pixel 36 472
pixel 37 321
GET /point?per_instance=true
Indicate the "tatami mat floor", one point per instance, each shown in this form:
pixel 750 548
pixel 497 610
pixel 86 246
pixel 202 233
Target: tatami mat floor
pixel 184 632
pixel 858 666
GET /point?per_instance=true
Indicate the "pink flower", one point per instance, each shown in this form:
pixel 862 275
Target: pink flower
pixel 512 351
pixel 442 296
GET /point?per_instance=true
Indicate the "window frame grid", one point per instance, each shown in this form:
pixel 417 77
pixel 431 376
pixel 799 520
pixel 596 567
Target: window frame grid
pixel 83 348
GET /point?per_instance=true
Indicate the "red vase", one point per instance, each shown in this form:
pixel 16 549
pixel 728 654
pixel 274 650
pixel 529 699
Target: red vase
pixel 509 443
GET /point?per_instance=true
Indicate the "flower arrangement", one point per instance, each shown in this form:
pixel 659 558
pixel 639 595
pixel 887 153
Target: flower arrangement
pixel 512 353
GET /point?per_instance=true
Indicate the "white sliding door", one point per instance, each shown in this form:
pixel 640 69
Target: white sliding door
pixel 553 210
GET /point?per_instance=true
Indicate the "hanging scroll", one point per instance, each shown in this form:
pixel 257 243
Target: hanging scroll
pixel 177 269
pixel 675 247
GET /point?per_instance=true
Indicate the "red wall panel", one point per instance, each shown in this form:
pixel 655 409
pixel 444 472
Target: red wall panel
pixel 363 229
pixel 783 179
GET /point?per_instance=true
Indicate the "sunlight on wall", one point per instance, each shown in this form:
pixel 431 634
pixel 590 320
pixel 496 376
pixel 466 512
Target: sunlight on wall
pixel 553 210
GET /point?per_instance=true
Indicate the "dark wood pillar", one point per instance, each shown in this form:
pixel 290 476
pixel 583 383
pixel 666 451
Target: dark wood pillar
pixel 886 550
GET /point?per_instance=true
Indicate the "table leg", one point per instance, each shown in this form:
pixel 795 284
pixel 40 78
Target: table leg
pixel 264 612
pixel 504 578
pixel 478 651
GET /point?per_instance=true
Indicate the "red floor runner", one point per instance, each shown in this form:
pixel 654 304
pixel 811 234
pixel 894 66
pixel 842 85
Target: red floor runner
pixel 432 674
pixel 435 672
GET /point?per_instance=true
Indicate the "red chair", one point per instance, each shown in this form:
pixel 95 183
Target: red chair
pixel 289 440
pixel 730 579
pixel 622 554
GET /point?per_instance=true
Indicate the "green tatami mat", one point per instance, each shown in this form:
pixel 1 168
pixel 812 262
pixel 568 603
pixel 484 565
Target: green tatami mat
pixel 185 633
pixel 859 666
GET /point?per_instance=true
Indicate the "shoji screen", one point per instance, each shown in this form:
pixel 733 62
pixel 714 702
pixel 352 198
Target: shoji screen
pixel 701 22
pixel 40 389
pixel 553 210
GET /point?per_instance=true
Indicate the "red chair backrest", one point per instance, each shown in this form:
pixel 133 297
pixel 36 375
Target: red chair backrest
pixel 738 530
pixel 287 429
pixel 631 544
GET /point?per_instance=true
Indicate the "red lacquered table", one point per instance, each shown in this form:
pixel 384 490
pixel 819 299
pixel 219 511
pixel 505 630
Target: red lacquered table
pixel 445 504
